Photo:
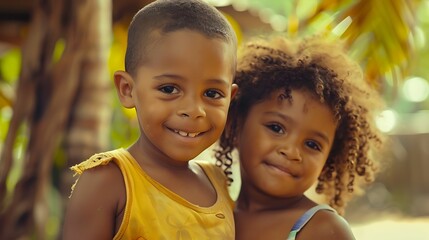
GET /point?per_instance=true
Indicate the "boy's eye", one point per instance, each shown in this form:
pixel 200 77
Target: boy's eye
pixel 276 128
pixel 314 145
pixel 213 94
pixel 169 89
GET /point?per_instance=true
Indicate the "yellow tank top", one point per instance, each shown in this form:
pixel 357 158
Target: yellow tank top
pixel 154 212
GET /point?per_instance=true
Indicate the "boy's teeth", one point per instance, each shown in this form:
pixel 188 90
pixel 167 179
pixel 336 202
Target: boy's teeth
pixel 192 134
pixel 185 134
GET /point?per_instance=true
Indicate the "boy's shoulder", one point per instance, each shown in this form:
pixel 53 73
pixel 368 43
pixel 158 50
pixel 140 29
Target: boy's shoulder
pixel 98 159
pixel 98 172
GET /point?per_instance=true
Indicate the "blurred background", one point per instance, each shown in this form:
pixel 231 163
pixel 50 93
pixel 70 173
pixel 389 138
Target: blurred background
pixel 58 105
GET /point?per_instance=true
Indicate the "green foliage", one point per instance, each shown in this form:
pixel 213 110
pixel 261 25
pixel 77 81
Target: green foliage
pixel 18 152
pixel 10 65
pixel 58 50
pixel 5 116
pixel 379 35
pixel 125 129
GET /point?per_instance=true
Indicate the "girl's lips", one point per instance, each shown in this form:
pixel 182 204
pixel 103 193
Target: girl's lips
pixel 281 168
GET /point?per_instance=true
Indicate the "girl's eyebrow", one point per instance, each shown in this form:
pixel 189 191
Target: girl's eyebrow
pixel 278 114
pixel 323 136
pixel 286 118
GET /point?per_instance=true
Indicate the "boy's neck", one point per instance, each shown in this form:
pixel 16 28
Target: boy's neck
pixel 186 179
pixel 150 157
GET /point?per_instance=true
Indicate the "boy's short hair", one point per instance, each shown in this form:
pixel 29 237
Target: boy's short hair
pixel 170 15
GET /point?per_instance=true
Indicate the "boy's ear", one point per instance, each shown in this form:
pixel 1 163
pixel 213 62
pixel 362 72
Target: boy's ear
pixel 234 90
pixel 124 87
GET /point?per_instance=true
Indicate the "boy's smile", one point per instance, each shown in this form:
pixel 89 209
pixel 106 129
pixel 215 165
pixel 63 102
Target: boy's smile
pixel 186 134
pixel 181 93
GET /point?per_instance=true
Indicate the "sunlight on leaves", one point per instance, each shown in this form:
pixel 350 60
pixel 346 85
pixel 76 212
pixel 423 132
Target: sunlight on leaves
pixel 10 65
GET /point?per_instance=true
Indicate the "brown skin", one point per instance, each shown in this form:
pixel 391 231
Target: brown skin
pixel 185 88
pixel 276 223
pixel 283 146
pixel 91 216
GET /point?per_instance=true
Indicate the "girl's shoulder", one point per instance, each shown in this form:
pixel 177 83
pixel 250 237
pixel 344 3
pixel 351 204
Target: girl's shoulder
pixel 326 223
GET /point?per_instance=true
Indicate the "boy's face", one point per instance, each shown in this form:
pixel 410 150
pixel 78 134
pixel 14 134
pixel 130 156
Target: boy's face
pixel 182 93
pixel 284 145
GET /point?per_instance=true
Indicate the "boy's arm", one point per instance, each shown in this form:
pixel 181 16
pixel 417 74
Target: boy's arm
pixel 92 208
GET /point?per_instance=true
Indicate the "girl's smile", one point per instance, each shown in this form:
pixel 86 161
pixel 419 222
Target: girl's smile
pixel 284 144
pixel 281 169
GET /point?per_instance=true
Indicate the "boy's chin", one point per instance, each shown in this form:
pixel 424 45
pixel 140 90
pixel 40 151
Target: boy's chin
pixel 183 157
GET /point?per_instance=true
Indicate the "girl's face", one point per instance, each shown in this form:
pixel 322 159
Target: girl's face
pixel 283 145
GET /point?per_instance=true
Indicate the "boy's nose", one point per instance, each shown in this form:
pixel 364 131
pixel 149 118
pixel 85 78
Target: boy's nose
pixel 191 108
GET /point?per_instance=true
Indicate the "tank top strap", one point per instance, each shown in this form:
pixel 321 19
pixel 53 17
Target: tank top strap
pixel 300 223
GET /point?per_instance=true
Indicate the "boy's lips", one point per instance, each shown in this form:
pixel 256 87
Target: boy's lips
pixel 185 133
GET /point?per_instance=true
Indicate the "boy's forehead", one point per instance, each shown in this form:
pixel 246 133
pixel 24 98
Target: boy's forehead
pixel 155 35
pixel 158 41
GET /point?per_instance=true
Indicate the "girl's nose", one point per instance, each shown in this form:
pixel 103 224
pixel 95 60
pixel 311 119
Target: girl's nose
pixel 289 151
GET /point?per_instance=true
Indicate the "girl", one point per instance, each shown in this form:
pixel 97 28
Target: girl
pixel 303 114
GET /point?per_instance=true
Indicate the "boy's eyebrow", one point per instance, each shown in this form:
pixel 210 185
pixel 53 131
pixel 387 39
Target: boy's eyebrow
pixel 173 76
pixel 219 82
pixel 178 77
pixel 289 119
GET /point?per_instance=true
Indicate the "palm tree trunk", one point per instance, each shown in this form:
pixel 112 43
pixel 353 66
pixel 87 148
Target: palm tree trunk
pixel 50 95
pixel 89 128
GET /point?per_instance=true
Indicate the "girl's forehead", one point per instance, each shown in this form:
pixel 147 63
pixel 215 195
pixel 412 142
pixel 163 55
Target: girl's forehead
pixel 302 99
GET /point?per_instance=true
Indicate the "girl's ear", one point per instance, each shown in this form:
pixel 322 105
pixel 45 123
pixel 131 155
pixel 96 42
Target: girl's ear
pixel 124 84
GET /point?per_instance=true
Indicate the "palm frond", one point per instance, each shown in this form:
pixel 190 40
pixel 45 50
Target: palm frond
pixel 379 36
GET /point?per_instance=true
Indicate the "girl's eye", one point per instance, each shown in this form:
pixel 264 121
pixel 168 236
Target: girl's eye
pixel 169 89
pixel 314 145
pixel 276 128
pixel 213 94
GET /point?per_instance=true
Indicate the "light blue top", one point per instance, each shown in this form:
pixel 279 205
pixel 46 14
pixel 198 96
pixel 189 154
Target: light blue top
pixel 300 223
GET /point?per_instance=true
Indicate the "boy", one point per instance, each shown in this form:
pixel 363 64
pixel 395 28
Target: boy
pixel 179 66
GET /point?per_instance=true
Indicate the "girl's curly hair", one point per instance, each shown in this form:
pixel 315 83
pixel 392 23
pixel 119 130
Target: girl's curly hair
pixel 321 67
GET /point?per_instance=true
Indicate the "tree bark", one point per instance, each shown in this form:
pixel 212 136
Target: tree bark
pixel 54 98
pixel 89 128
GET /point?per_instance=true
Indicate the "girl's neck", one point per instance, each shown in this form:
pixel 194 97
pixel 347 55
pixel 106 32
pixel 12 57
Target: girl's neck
pixel 252 201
